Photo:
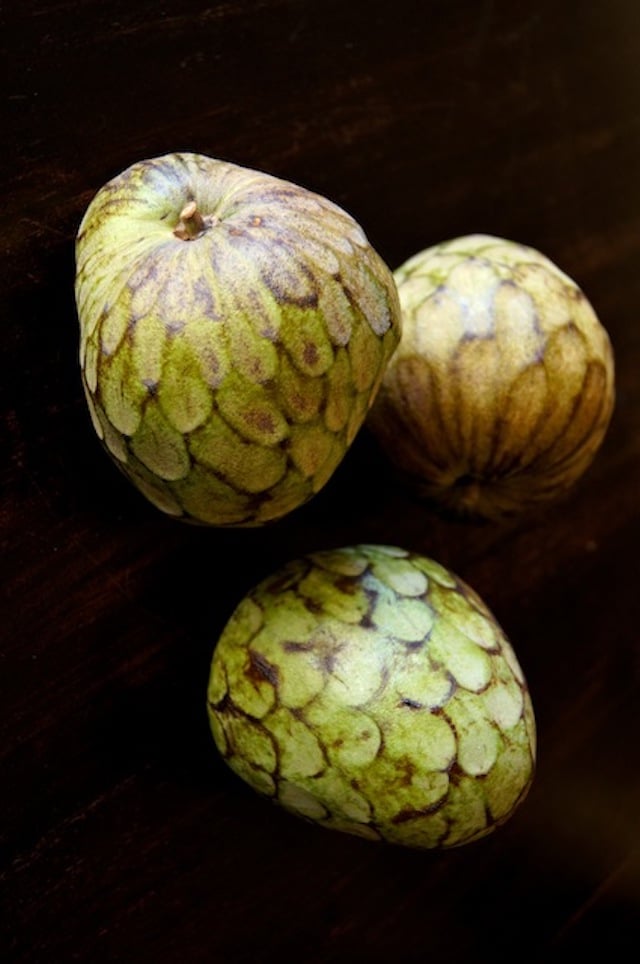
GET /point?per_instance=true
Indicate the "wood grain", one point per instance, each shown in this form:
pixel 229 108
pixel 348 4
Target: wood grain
pixel 124 837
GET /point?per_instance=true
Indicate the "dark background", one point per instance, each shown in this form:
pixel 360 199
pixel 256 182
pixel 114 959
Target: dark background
pixel 124 837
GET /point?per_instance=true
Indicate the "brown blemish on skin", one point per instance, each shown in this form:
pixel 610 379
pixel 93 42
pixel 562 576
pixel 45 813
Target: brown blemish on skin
pixel 409 814
pixel 372 598
pixel 261 420
pixel 260 669
pixel 292 647
pixel 347 585
pixel 328 662
pixel 285 580
pixel 310 353
pixel 310 300
pixel 456 773
pixel 489 819
pixel 411 704
pixel 151 386
pixel 414 644
pixel 225 706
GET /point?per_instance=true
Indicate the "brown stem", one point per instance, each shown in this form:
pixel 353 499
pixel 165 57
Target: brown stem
pixel 191 224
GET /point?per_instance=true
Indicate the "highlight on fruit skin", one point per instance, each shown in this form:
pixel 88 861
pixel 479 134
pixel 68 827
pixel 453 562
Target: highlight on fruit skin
pixel 370 691
pixel 234 331
pixel 502 388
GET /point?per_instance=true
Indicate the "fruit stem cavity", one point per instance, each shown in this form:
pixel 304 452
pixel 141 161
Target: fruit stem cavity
pixel 191 224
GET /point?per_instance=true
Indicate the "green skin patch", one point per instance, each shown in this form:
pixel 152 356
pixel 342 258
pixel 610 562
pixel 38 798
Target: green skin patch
pixel 234 332
pixel 369 690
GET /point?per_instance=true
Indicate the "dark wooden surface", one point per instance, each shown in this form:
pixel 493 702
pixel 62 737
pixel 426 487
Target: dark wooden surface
pixel 124 837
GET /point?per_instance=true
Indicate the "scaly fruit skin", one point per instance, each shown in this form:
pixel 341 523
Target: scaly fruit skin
pixel 502 388
pixel 371 691
pixel 229 354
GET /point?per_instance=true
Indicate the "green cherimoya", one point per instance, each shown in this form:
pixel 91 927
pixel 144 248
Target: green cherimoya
pixel 234 331
pixel 371 691
pixel 502 387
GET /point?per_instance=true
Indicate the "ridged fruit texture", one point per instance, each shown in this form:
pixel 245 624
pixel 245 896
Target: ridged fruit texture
pixel 502 388
pixel 228 374
pixel 371 691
